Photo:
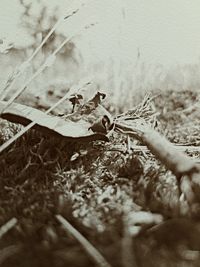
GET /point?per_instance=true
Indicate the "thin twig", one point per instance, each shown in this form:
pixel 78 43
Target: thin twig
pixel 29 126
pixel 191 149
pixel 7 226
pixel 89 248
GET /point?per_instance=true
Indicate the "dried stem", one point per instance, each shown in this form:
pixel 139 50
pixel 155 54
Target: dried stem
pixel 89 248
pixel 7 226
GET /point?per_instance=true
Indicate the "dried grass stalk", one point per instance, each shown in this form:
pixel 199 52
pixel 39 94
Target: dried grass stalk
pixel 7 226
pixel 89 248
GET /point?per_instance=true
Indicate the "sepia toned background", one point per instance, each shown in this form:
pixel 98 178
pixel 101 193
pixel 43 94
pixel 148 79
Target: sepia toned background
pixel 125 46
pixel 166 32
pixel 132 46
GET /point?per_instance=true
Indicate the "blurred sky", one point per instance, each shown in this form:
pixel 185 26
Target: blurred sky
pixel 164 31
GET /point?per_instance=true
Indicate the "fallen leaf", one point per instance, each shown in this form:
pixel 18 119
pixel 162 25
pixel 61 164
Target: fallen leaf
pixel 52 125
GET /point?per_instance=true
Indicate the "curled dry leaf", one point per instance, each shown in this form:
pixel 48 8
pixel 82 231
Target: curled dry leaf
pixel 56 126
pixel 90 106
pixel 94 113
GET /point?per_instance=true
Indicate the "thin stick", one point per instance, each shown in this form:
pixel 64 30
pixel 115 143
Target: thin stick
pixel 29 126
pixel 174 159
pixel 89 248
pixel 7 226
pixel 186 148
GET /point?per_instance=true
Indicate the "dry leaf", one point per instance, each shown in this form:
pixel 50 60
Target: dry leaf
pixel 53 125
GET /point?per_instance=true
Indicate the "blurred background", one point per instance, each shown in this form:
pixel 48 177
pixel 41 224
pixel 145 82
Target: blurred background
pixel 128 47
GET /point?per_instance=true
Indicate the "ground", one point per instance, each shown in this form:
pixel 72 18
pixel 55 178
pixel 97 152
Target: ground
pixel 97 186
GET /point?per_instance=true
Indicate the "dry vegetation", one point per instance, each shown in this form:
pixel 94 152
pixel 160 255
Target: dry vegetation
pixel 100 188
pixel 122 203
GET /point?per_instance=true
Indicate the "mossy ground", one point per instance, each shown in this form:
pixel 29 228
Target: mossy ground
pixel 91 184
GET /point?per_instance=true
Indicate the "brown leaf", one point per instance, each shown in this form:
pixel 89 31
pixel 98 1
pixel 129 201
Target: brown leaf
pixel 52 125
pixel 95 114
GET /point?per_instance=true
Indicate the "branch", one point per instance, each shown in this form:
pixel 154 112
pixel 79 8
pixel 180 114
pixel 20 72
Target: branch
pixel 175 160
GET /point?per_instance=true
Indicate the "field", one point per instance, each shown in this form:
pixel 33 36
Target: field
pixel 116 193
